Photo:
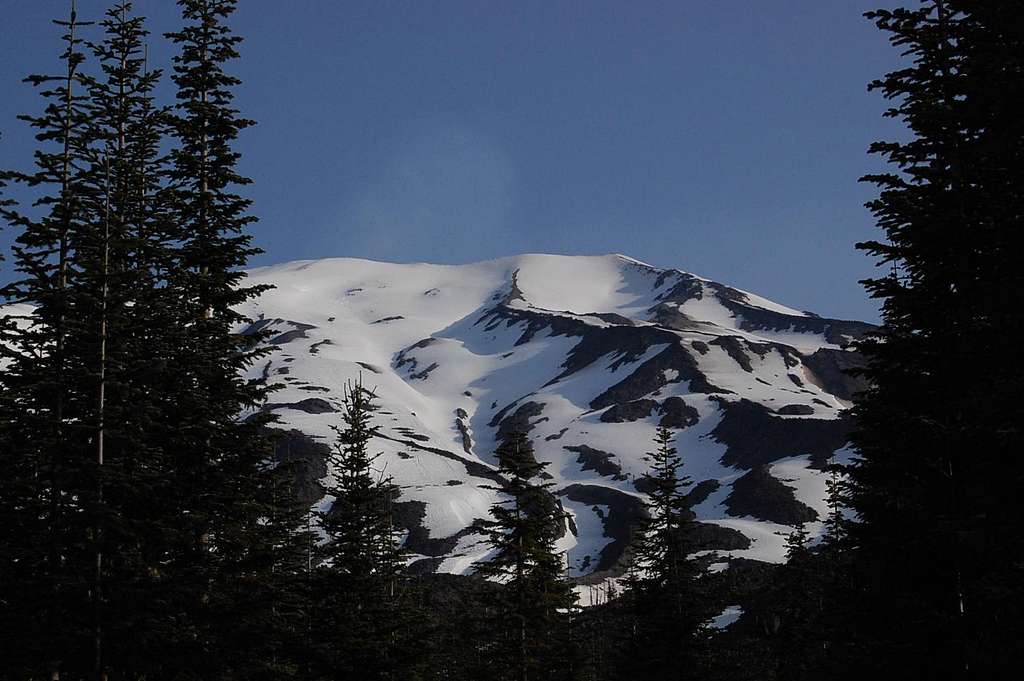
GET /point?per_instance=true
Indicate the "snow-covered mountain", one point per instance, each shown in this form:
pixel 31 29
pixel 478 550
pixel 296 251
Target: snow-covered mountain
pixel 587 354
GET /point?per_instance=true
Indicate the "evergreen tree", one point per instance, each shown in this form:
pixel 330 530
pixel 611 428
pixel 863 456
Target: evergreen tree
pixel 788 613
pixel 129 336
pixel 832 574
pixel 937 553
pixel 236 528
pixel 264 601
pixel 664 589
pixel 836 523
pixel 357 625
pixel 528 616
pixel 45 621
pixel 110 290
pixel 5 203
pixel 146 531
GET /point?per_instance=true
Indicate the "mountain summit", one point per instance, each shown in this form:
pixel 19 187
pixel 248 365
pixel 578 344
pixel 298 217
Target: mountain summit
pixel 586 354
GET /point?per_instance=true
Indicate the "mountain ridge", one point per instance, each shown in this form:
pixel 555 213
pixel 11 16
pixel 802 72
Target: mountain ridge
pixel 587 354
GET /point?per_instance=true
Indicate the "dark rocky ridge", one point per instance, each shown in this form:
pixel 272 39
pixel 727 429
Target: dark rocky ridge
pixel 590 459
pixel 714 537
pixel 277 337
pixel 518 421
pixel 650 377
pixel 626 344
pixel 623 512
pixel 460 424
pixel 761 495
pixel 795 410
pixel 752 318
pixel 829 369
pixel 405 357
pixel 409 515
pixel 629 411
pixel 699 493
pixel 620 522
pixel 473 468
pixel 675 412
pixel 310 405
pixel 755 436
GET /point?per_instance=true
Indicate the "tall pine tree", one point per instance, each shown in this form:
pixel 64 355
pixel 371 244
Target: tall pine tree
pixel 44 497
pixel 5 203
pixel 528 616
pixel 937 554
pixel 358 622
pixel 663 589
pixel 123 345
pixel 146 531
pixel 238 531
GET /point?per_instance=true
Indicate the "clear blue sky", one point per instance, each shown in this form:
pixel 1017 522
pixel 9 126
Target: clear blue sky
pixel 724 137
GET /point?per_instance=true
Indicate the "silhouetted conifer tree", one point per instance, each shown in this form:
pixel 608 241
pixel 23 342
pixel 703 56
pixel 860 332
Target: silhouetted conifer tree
pixel 664 589
pixel 146 531
pixel 5 203
pixel 44 499
pixel 360 626
pixel 528 616
pixel 114 312
pixel 233 529
pixel 789 612
pixel 937 552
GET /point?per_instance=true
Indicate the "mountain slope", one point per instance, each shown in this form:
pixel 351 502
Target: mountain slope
pixel 587 354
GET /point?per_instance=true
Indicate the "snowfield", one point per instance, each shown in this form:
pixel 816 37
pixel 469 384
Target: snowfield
pixel 587 354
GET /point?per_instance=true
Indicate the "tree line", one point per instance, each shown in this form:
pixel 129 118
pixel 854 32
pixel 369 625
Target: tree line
pixel 147 530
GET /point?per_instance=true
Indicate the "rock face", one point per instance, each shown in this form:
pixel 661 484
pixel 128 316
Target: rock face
pixel 310 405
pixel 754 436
pixel 306 460
pixel 759 494
pixel 591 459
pixel 588 356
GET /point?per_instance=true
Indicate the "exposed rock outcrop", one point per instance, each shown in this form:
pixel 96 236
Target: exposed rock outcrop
pixel 755 436
pixel 761 495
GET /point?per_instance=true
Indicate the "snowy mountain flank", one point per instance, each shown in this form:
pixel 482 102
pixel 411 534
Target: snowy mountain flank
pixel 586 354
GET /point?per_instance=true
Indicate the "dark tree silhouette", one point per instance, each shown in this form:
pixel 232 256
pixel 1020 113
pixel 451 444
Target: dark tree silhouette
pixel 937 553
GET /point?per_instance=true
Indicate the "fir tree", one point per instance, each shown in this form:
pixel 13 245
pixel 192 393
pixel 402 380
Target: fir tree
pixel 832 574
pixel 937 555
pixel 118 345
pixel 5 203
pixel 789 612
pixel 242 548
pixel 529 614
pixel 110 293
pixel 664 589
pixel 222 487
pixel 357 626
pixel 836 523
pixel 43 498
pixel 149 534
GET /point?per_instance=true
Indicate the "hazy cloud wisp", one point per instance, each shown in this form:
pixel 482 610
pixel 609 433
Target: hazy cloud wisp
pixel 439 185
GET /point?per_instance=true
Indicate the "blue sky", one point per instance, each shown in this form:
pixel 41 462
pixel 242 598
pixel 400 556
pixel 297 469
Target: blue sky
pixel 723 137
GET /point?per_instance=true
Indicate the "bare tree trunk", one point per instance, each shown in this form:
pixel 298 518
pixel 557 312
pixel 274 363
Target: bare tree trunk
pixel 960 604
pixel 101 404
pixel 59 340
pixel 204 194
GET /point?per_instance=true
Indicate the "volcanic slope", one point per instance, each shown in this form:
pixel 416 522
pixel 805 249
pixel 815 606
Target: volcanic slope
pixel 588 355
